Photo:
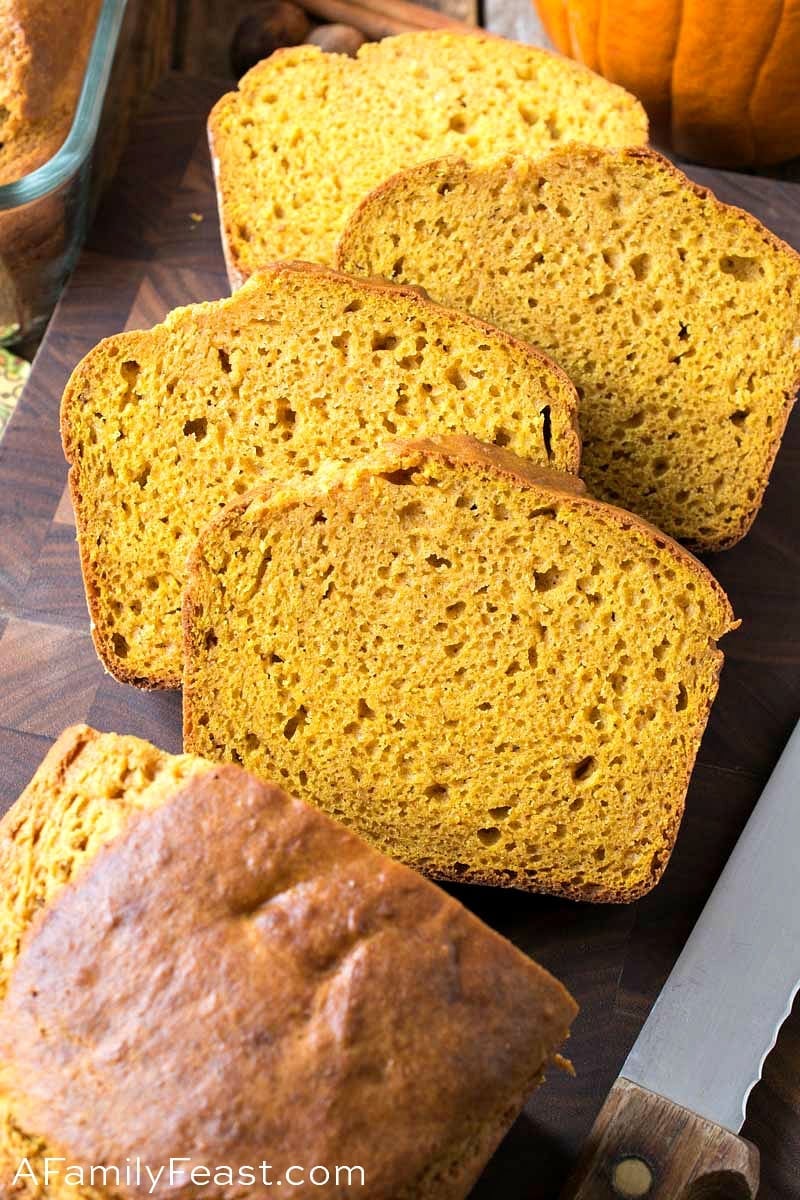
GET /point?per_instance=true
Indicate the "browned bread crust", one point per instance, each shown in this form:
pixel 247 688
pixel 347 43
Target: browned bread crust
pixel 466 777
pixel 236 975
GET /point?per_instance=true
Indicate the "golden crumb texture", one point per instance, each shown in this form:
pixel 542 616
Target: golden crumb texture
pixel 676 316
pixel 484 671
pixel 162 428
pixel 309 134
pixel 193 961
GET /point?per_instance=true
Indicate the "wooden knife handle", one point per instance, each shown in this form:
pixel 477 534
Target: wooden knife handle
pixel 643 1147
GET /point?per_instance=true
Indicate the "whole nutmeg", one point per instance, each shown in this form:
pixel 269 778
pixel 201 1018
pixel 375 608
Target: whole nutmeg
pixel 271 25
pixel 337 39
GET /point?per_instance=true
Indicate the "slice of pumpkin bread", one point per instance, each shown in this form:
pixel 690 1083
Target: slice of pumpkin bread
pixel 308 134
pixel 162 428
pixel 193 962
pixel 676 316
pixel 487 673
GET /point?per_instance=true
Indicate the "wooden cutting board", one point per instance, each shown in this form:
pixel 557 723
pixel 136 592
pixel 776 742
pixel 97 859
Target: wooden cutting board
pixel 155 245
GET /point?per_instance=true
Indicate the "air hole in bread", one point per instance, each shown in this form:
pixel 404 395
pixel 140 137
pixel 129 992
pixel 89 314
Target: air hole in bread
pixel 543 513
pixel 742 268
pixel 197 428
pixel 584 769
pixel 286 416
pixel 489 836
pixel 640 265
pixel 400 478
pixel 547 430
pixel 295 722
pixel 544 581
pixel 266 559
pixel 120 645
pixel 435 791
pixel 411 514
pixel 453 376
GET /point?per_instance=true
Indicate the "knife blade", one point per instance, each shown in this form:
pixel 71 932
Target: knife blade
pixel 674 1114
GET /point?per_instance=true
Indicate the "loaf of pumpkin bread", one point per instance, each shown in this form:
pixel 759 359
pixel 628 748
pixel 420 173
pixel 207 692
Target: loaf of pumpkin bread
pixel 192 963
pixel 308 134
pixel 162 428
pixel 44 45
pixel 487 673
pixel 676 316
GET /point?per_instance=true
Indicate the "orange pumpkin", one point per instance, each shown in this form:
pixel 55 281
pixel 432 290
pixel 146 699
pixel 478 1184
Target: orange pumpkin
pixel 720 77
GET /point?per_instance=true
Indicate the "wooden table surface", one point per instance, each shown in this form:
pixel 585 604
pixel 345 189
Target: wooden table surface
pixel 146 254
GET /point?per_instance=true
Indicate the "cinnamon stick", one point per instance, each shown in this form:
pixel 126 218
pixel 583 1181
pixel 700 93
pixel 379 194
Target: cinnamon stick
pixel 381 18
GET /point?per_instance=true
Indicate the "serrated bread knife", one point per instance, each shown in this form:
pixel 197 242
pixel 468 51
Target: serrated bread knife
pixel 669 1128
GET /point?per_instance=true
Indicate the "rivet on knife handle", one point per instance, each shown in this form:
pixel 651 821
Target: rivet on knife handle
pixel 643 1147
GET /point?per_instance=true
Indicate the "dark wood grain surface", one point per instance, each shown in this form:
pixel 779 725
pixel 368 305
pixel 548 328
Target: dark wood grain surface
pixel 147 253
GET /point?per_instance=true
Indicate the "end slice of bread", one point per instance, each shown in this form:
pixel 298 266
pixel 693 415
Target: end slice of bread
pixel 676 316
pixel 162 428
pixel 488 674
pixel 308 134
pixel 193 962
